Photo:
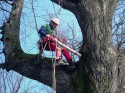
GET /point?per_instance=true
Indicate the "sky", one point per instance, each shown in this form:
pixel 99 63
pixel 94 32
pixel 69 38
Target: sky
pixel 28 36
pixel 119 16
pixel 43 13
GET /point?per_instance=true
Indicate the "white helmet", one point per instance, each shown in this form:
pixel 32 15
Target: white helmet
pixel 55 20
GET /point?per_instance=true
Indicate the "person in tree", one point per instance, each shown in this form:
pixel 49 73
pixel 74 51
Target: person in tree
pixel 47 33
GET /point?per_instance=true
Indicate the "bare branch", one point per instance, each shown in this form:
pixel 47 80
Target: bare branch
pixel 5 10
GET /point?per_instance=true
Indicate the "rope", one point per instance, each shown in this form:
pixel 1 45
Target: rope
pixel 54 9
pixel 34 16
pixel 54 76
pixel 60 3
pixel 53 66
pixel 54 69
pixel 35 21
pixel 53 72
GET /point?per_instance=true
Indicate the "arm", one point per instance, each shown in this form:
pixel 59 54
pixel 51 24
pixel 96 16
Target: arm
pixel 42 32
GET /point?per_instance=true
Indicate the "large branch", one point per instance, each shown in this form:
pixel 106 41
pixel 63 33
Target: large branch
pixel 42 71
pixel 83 7
pixel 67 4
pixel 11 31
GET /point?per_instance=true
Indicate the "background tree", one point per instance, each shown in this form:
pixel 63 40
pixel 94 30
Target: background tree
pixel 119 26
pixel 100 68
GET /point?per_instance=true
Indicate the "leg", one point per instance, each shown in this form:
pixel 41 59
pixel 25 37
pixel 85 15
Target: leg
pixel 68 58
pixel 58 52
pixel 51 46
pixel 66 54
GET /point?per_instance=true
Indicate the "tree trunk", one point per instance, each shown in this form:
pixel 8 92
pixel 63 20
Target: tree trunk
pixel 99 62
pixel 11 31
pixel 100 68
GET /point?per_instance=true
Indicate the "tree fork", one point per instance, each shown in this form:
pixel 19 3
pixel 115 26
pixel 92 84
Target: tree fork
pixel 99 58
pixel 100 64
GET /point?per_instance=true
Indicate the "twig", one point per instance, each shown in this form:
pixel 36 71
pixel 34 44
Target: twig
pixel 6 10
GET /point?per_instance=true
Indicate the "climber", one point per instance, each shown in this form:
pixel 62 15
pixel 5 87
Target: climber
pixel 47 33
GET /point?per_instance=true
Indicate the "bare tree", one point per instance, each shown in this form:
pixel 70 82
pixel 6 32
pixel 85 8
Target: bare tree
pixel 14 83
pixel 100 69
pixel 119 26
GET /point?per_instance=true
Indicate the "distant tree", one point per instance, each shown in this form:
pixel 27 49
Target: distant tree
pixel 10 83
pixel 119 26
pixel 99 70
pixel 14 83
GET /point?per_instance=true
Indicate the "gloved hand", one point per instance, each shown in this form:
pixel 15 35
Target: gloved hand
pixel 49 37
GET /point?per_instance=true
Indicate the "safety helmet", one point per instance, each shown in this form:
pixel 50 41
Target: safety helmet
pixel 55 20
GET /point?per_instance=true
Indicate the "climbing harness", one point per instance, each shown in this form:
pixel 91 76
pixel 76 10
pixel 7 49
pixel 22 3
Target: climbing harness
pixel 41 48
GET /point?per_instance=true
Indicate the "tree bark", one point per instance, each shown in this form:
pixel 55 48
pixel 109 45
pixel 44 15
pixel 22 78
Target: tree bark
pixel 100 59
pixel 100 68
pixel 11 31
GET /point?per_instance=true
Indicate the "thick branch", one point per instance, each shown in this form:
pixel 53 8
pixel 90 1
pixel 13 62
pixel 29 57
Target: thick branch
pixel 67 4
pixel 41 70
pixel 11 30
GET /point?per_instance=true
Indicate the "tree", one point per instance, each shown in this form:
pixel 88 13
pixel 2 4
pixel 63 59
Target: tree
pixel 99 70
pixel 118 26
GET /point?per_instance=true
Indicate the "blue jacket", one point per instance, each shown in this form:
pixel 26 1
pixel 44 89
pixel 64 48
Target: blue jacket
pixel 46 29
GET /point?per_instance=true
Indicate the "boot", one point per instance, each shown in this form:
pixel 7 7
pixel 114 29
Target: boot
pixel 61 62
pixel 71 65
